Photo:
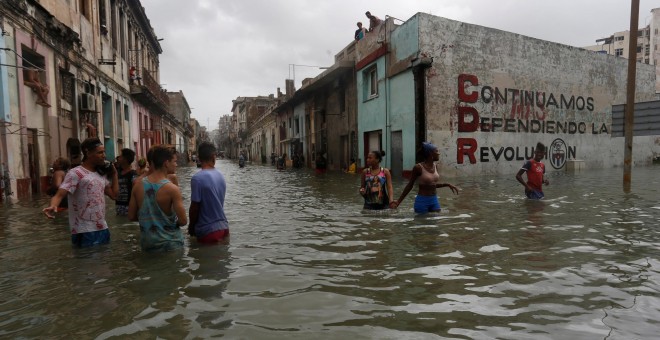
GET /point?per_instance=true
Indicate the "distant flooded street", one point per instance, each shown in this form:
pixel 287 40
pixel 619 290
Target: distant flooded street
pixel 304 261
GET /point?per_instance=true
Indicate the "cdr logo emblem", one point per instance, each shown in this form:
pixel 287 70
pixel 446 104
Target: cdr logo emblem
pixel 558 153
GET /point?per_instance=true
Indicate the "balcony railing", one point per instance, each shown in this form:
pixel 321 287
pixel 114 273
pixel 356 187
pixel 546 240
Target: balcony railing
pixel 152 85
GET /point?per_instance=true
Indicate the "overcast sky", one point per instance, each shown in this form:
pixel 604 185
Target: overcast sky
pixel 217 50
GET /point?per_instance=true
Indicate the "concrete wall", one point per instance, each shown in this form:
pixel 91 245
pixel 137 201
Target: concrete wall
pixel 566 102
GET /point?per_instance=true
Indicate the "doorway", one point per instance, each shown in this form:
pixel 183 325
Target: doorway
pixel 33 160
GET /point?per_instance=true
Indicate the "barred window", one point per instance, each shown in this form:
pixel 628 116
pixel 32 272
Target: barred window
pixel 67 86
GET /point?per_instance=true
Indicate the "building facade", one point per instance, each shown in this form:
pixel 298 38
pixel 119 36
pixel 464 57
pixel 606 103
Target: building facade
pixel 72 70
pixel 486 103
pixel 648 41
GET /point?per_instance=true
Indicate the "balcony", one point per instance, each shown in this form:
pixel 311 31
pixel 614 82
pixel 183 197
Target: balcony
pixel 149 93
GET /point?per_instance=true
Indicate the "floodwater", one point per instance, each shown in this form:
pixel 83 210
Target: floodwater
pixel 304 261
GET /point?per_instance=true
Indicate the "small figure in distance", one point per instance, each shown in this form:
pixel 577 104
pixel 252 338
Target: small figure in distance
pixel 126 178
pixel 208 222
pixel 535 170
pixel 157 204
pixel 360 32
pixel 60 168
pixel 352 168
pixel 281 162
pixel 374 21
pixel 321 164
pixel 429 180
pixel 241 160
pixel 376 183
pixel 142 166
pixel 40 89
pixel 85 186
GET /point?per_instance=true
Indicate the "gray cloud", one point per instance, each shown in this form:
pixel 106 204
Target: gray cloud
pixel 217 50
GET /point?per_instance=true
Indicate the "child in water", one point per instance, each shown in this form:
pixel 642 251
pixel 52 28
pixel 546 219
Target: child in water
pixel 535 170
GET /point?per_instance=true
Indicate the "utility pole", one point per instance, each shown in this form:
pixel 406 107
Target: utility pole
pixel 629 119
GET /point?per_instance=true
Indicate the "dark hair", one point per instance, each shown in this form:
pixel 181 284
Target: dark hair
pixel 367 13
pixel 160 154
pixel 64 163
pixel 379 154
pixel 206 152
pixel 142 162
pixel 539 146
pixel 89 144
pixel 128 154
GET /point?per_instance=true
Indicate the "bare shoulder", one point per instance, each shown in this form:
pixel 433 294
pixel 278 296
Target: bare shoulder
pixel 172 188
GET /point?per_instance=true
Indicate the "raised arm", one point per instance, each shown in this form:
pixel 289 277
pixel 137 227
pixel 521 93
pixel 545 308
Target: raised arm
pixel 112 190
pixel 416 171
pixel 54 203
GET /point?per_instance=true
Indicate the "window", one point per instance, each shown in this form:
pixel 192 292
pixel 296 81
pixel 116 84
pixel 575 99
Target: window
pixel 118 121
pixel 639 48
pixel 84 8
pixel 113 24
pixel 122 34
pixel 126 113
pixel 647 49
pixel 373 83
pixel 618 52
pixel 102 17
pixel 619 38
pixel 370 82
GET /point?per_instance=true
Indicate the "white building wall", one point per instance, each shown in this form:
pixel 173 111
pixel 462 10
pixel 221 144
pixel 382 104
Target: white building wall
pixel 472 62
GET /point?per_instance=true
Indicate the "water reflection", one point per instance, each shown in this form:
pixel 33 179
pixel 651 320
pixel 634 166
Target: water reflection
pixel 304 261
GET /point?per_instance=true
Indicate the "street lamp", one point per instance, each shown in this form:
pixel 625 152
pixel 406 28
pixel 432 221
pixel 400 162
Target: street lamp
pixel 292 70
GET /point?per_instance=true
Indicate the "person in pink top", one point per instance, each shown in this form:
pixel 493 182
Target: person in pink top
pixel 429 180
pixel 86 186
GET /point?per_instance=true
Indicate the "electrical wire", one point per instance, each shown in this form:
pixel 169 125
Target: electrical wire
pixel 20 56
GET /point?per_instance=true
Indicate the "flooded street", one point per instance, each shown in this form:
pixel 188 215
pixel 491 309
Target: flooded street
pixel 303 261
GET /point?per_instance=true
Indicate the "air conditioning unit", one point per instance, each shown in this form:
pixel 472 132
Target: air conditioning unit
pixel 87 102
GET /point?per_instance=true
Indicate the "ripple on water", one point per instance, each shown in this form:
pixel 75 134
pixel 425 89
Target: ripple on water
pixel 304 260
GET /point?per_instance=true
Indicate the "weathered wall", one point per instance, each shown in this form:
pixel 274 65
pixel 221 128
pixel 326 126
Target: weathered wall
pixel 491 95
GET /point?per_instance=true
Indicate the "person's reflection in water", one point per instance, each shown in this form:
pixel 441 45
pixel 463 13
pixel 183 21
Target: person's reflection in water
pixel 91 284
pixel 210 277
pixel 535 212
pixel 534 238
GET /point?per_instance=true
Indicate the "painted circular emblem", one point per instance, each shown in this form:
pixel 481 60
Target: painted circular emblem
pixel 558 153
